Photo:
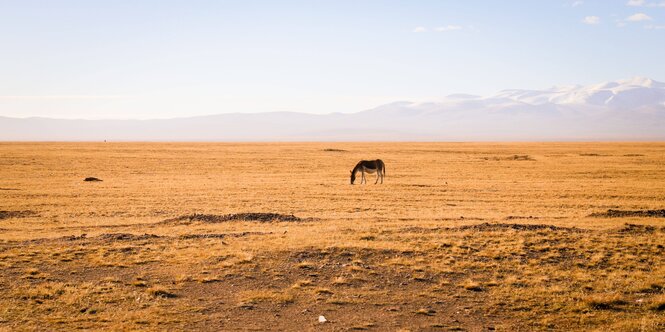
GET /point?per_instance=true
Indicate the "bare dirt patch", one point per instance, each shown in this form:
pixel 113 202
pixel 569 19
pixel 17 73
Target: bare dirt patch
pixel 629 213
pixel 517 227
pixel 639 229
pixel 220 235
pixel 217 218
pixel 17 214
pixel 520 217
pixel 516 157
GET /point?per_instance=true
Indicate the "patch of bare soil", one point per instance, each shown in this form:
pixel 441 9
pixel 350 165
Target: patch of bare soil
pixel 352 288
pixel 516 157
pixel 125 237
pixel 220 235
pixel 520 217
pixel 639 229
pixel 216 218
pixel 487 227
pixel 629 213
pixel 520 157
pixel 16 214
pixel 112 237
pixel 517 227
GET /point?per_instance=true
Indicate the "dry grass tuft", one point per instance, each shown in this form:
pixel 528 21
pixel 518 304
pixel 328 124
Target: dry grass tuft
pixel 605 302
pixel 658 303
pixel 271 296
pixel 611 213
pixel 323 291
pixel 302 284
pixel 425 312
pixel 472 286
pixel 158 291
pixel 306 265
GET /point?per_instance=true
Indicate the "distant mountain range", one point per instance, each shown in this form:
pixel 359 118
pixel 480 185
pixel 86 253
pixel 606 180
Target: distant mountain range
pixel 632 109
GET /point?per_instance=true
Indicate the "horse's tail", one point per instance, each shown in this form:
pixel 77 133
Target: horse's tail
pixel 383 167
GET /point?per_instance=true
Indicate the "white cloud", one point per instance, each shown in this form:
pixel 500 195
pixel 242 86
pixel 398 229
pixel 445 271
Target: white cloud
pixel 448 28
pixel 591 20
pixel 419 29
pixel 638 17
pixel 577 3
pixel 642 3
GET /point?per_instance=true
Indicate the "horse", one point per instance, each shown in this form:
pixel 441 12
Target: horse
pixel 369 166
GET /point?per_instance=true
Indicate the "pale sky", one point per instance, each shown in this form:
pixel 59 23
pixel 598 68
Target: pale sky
pixel 162 59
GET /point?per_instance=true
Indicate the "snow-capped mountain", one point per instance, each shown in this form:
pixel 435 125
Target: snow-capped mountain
pixel 632 109
pixel 629 94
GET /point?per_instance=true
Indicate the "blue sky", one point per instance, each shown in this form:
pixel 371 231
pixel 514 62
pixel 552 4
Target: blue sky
pixel 161 59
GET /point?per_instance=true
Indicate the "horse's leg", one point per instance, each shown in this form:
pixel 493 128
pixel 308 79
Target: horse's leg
pixel 363 173
pixel 378 174
pixel 382 174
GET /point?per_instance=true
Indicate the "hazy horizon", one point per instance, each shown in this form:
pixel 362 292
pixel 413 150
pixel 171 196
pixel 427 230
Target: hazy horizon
pixel 156 60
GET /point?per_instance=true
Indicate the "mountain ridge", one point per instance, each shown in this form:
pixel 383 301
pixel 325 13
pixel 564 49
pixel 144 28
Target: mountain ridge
pixel 631 109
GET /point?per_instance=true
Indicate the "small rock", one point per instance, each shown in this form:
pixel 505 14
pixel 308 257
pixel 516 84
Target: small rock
pixel 322 319
pixel 91 179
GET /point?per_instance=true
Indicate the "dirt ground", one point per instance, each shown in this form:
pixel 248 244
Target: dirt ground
pixel 272 236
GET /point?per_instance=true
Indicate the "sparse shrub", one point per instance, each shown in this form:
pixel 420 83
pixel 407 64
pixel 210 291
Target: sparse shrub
pixel 605 302
pixel 302 283
pixel 472 286
pixel 257 296
pixel 658 303
pixel 425 312
pixel 521 157
pixel 340 281
pixel 306 265
pixel 323 291
pixel 158 291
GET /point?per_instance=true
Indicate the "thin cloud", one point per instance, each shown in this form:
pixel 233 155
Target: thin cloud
pixel 419 29
pixel 448 28
pixel 642 3
pixel 577 3
pixel 591 20
pixel 639 17
pixel 59 97
pixel 654 27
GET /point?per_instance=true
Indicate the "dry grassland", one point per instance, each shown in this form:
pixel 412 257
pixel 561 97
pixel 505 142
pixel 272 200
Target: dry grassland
pixel 464 237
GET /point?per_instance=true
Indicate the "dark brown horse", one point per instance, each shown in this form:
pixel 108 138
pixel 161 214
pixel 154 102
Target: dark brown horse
pixel 371 167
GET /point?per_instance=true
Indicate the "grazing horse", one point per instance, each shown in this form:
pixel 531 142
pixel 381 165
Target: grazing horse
pixel 369 166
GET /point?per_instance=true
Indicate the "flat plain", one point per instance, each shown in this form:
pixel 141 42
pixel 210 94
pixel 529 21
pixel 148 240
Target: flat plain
pixel 271 236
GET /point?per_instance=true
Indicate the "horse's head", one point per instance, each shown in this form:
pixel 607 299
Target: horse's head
pixel 353 177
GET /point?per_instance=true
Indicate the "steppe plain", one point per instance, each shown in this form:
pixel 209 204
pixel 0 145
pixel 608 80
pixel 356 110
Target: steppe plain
pixel 270 236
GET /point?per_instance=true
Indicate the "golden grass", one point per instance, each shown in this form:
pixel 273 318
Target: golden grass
pixel 460 236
